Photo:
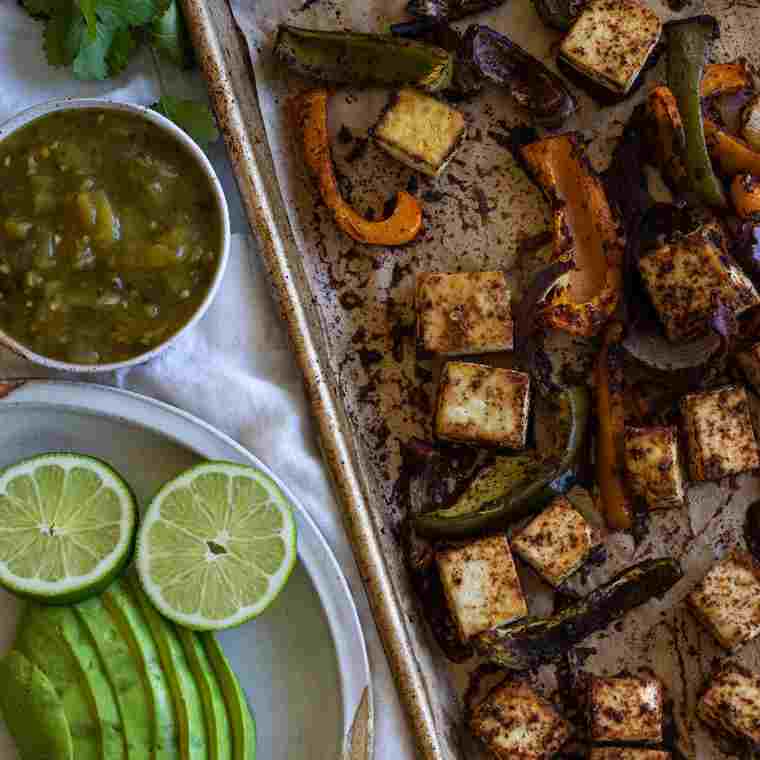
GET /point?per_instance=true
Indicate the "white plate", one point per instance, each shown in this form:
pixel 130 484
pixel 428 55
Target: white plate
pixel 303 663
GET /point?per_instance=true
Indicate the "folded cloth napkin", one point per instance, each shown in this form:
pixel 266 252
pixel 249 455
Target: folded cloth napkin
pixel 235 368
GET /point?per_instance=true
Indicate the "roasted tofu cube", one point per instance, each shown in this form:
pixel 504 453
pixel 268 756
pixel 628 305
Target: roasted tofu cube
pixel 463 313
pixel 611 41
pixel 653 467
pixel 727 601
pixel 685 278
pixel 627 753
pixel 625 709
pixel 731 704
pixel 484 406
pixel 481 585
pixel 516 723
pixel 420 131
pixel 557 542
pixel 749 361
pixel 719 432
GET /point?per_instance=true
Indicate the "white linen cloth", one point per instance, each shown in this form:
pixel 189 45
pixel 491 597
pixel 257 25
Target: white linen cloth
pixel 234 369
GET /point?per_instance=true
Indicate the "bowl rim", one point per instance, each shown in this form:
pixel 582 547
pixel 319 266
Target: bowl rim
pixel 32 113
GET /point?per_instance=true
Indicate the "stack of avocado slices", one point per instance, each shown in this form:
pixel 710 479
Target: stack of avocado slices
pixel 109 678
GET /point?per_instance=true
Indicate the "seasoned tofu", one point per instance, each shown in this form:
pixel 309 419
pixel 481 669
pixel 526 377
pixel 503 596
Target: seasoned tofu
pixel 627 753
pixel 611 41
pixel 727 601
pixel 463 313
pixel 625 709
pixel 516 723
pixel 749 361
pixel 653 466
pixel 686 277
pixel 481 585
pixel 485 406
pixel 557 542
pixel 420 131
pixel 731 704
pixel 719 430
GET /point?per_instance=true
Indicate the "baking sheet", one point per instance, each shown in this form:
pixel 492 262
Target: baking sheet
pixel 476 215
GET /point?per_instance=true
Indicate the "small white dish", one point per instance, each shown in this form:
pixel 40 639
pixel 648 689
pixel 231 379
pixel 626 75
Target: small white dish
pixel 194 151
pixel 303 663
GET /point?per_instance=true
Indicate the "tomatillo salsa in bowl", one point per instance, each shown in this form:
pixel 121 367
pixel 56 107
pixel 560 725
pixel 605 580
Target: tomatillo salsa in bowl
pixel 114 234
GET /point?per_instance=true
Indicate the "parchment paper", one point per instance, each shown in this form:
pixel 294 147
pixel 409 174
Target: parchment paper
pixel 476 214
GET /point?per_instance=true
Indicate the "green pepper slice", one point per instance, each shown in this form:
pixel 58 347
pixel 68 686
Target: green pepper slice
pixel 688 44
pixel 513 487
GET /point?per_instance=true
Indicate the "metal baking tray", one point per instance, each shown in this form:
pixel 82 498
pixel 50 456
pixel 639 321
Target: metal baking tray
pixel 349 315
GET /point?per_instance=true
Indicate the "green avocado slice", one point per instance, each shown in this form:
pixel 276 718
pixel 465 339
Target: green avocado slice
pixel 187 699
pixel 240 716
pixel 214 707
pixel 40 641
pixel 129 619
pixel 33 711
pixel 123 673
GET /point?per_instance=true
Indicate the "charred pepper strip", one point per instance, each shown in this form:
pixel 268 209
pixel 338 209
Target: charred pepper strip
pixel 688 43
pixel 310 114
pixel 559 14
pixel 533 642
pixel 536 89
pixel 354 58
pixel 449 10
pixel 616 504
pixel 513 487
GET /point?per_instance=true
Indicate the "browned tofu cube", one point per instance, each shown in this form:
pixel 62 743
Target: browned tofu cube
pixel 727 601
pixel 653 467
pixel 557 542
pixel 625 709
pixel 685 278
pixel 481 585
pixel 463 313
pixel 749 361
pixel 731 704
pixel 720 434
pixel 627 753
pixel 516 723
pixel 485 406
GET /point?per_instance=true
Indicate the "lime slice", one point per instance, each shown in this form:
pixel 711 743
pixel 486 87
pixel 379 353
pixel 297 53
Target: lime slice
pixel 67 527
pixel 216 546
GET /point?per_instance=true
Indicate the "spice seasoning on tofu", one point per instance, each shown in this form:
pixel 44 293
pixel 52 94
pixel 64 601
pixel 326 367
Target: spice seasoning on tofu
pixel 628 753
pixel 727 601
pixel 626 709
pixel 731 704
pixel 720 435
pixel 463 313
pixel 653 466
pixel 110 236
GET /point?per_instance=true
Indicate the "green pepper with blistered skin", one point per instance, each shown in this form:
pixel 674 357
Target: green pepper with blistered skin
pixel 516 486
pixel 688 44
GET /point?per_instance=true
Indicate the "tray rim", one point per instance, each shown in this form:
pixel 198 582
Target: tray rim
pixel 108 401
pixel 217 39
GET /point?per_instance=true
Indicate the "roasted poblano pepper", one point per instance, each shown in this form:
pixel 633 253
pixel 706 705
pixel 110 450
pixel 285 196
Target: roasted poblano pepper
pixel 688 42
pixel 354 58
pixel 515 486
pixel 535 641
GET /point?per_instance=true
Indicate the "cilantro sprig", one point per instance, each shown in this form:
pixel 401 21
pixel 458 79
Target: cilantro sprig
pixel 98 39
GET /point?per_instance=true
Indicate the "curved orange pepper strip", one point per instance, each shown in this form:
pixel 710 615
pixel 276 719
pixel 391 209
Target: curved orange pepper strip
pixel 402 226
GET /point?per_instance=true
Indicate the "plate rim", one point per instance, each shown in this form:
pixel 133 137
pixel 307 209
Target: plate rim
pixel 77 395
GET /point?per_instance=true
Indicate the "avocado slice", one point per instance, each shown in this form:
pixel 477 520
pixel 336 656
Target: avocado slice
pixel 33 711
pixel 214 707
pixel 129 619
pixel 240 716
pixel 187 699
pixel 123 673
pixel 43 646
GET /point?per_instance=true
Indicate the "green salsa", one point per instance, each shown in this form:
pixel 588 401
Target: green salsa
pixel 110 236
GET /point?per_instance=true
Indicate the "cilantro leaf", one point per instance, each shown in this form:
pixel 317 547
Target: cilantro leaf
pixel 122 48
pixel 128 13
pixel 90 62
pixel 194 117
pixel 45 8
pixel 63 37
pixel 88 11
pixel 168 34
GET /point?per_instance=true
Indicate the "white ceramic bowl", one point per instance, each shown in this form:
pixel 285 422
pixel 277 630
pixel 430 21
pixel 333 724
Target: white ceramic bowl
pixel 195 153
